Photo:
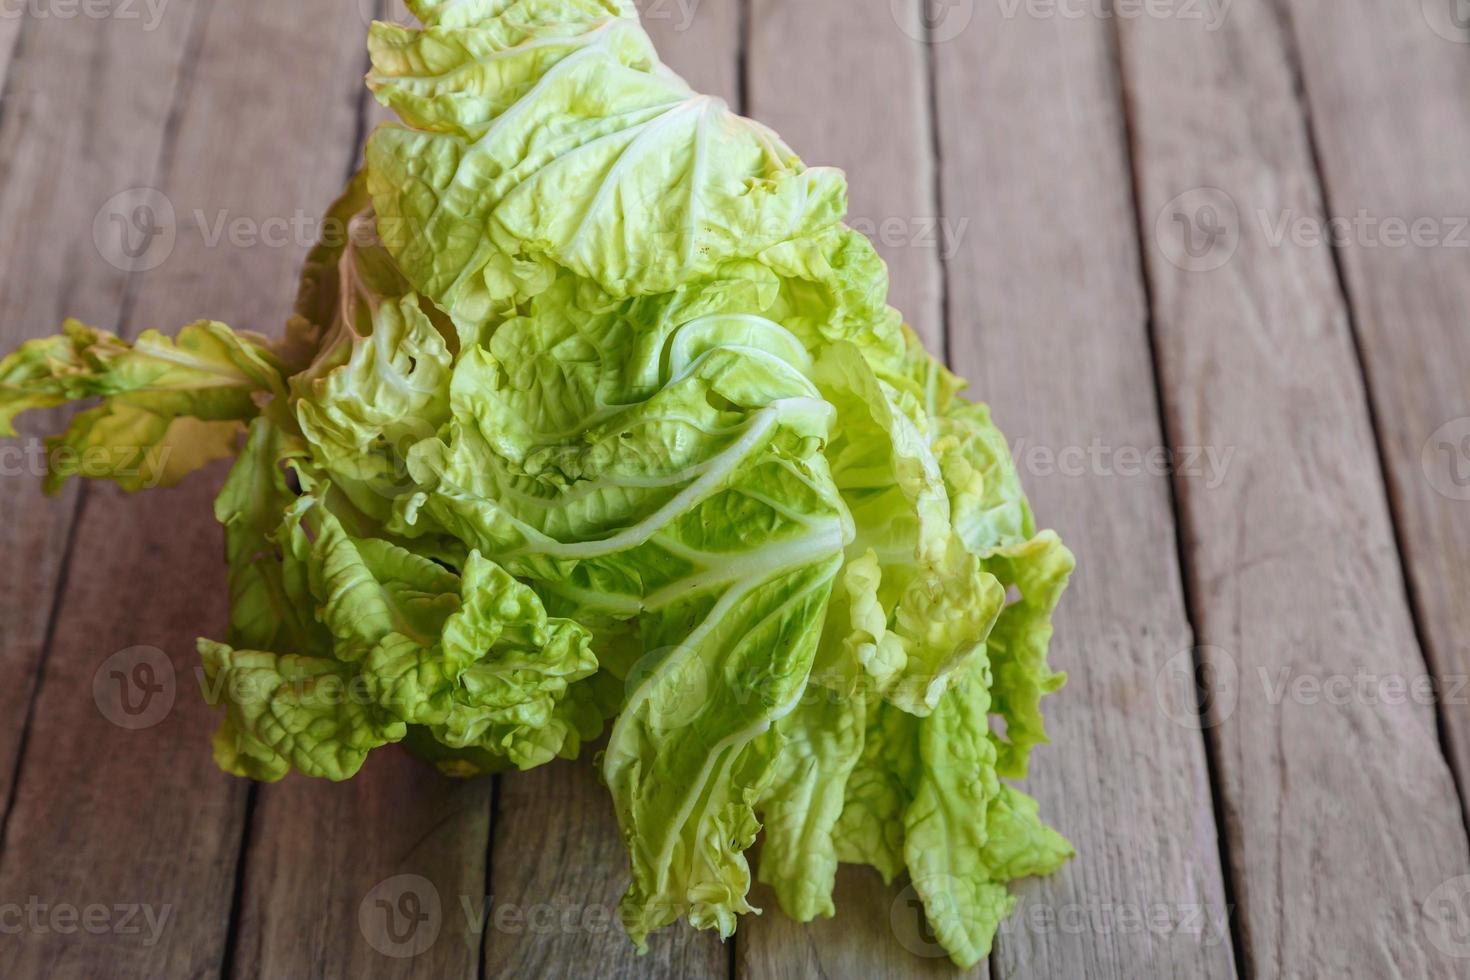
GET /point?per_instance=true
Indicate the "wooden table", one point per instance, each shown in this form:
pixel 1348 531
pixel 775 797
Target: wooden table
pixel 1255 434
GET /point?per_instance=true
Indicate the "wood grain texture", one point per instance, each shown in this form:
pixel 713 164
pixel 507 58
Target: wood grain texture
pixel 1292 563
pixel 845 85
pixel 380 876
pixel 556 873
pixel 137 822
pixel 699 39
pixel 878 933
pixel 10 30
pixel 63 150
pixel 1048 319
pixel 1392 137
pixel 107 816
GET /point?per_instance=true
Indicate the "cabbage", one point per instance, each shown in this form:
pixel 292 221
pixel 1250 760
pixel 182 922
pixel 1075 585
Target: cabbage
pixel 598 413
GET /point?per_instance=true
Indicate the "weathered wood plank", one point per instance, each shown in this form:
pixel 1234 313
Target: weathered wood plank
pixel 63 150
pixel 1411 303
pixel 136 822
pixel 380 876
pixel 699 39
pixel 1048 318
pixel 570 869
pixel 1293 570
pixel 10 30
pixel 556 880
pixel 845 85
pixel 877 934
pixel 810 64
pixel 113 817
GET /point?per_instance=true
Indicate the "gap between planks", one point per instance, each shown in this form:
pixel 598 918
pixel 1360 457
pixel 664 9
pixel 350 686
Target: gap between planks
pixel 1297 570
pixel 137 770
pixel 1434 549
pixel 1051 319
pixel 1173 441
pixel 12 33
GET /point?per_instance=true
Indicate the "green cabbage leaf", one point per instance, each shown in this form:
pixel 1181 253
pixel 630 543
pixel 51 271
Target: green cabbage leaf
pixel 594 422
